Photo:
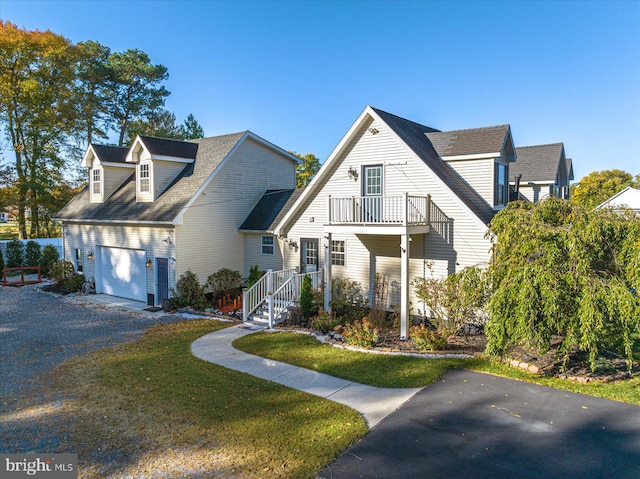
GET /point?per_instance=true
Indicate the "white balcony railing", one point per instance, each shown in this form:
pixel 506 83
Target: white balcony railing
pixel 404 210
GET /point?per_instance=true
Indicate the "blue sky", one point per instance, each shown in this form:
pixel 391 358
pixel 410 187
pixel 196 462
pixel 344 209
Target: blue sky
pixel 299 73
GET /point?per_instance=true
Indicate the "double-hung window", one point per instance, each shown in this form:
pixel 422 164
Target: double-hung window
pixel 96 182
pixel 145 181
pixel 337 253
pixel 267 244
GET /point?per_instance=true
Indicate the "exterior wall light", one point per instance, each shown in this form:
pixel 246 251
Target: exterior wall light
pixel 149 263
pixel 353 174
pixel 90 255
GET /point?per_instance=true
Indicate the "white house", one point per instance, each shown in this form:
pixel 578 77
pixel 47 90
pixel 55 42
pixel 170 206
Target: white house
pixel 162 207
pixel 627 198
pixel 400 199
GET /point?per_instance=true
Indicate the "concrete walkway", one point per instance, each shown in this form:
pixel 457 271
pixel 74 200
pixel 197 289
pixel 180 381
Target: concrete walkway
pixel 373 403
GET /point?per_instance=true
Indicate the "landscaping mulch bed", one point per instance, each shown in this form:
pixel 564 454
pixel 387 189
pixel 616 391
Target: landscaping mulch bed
pixel 610 367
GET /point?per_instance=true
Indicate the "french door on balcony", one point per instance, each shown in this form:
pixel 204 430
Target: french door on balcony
pixel 308 255
pixel 372 191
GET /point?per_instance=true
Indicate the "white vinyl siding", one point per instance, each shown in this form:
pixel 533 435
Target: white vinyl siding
pixel 253 254
pixel 478 174
pixel 209 238
pixel 92 237
pixel 164 172
pixel 450 246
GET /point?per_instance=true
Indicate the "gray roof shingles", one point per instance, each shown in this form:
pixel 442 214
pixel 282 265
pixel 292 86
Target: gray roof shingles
pixel 537 163
pixel 416 137
pixel 122 205
pixel 111 154
pixel 270 209
pixel 167 147
pixel 471 141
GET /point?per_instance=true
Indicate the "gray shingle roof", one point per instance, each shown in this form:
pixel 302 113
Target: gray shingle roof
pixel 416 137
pixel 166 147
pixel 122 205
pixel 472 141
pixel 110 154
pixel 537 163
pixel 271 208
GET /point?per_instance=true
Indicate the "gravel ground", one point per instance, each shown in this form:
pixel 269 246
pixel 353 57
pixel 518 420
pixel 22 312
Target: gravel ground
pixel 38 331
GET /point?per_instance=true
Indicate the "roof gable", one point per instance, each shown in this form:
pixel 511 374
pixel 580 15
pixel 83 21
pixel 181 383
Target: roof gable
pixel 105 154
pixel 413 136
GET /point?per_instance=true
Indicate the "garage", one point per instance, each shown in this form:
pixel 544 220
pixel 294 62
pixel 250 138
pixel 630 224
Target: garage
pixel 121 272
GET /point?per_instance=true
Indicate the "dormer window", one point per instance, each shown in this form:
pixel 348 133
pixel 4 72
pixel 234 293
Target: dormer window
pixel 96 182
pixel 145 182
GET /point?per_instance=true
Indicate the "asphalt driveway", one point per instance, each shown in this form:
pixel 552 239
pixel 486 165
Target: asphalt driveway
pixel 473 425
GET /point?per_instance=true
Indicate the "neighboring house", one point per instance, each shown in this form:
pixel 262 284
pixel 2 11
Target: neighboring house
pixel 541 171
pixel 162 207
pixel 402 200
pixel 629 198
pixel 6 217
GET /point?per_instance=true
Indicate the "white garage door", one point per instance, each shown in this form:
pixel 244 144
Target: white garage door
pixel 122 273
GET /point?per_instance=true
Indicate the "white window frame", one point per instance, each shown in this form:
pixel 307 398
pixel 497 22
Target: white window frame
pixel 96 184
pixel 338 255
pixel 264 246
pixel 144 180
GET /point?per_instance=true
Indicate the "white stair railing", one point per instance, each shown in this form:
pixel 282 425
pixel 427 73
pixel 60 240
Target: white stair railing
pixel 287 294
pixel 256 295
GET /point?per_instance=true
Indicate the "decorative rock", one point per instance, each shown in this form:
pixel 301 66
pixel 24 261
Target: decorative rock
pixel 515 363
pixel 338 329
pixel 534 369
pixel 523 365
pixel 338 337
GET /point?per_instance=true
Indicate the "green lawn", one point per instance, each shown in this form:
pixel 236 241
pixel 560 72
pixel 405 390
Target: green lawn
pixel 154 401
pixel 409 371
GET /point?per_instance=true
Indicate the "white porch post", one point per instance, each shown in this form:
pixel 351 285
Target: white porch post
pixel 327 271
pixel 404 289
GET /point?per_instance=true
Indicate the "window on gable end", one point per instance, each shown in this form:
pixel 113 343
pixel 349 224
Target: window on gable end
pixel 96 182
pixel 79 257
pixel 145 178
pixel 267 245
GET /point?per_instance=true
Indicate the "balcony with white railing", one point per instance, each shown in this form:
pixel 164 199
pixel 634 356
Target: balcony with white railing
pixel 385 214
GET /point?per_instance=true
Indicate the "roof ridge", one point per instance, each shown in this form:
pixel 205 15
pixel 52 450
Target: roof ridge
pixel 476 128
pixel 378 110
pixel 538 146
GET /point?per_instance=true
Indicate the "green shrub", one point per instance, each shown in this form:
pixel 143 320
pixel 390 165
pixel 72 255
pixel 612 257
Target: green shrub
pixel 189 292
pixel 325 321
pixel 307 304
pixel 224 282
pixel 49 256
pixel 61 271
pixel 14 253
pixel 33 255
pixel 427 338
pixel 254 275
pixel 74 283
pixel 361 333
pixel 348 300
pixel 1 261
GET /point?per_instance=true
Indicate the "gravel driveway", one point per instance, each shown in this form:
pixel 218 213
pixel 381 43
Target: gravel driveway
pixel 39 331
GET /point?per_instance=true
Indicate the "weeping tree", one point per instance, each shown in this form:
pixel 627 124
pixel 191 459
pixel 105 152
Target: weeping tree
pixel 559 269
